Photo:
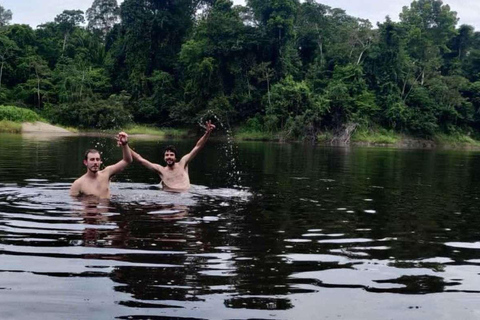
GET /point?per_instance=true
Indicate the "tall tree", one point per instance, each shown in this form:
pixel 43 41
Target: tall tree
pixel 314 27
pixel 5 16
pixel 8 49
pixel 102 16
pixel 460 48
pixel 430 26
pixel 38 85
pixel 24 38
pixel 277 17
pixel 67 21
pixel 148 40
pixel 471 65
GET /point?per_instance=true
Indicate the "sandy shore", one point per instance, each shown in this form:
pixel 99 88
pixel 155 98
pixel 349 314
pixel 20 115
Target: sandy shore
pixel 42 127
pixel 43 130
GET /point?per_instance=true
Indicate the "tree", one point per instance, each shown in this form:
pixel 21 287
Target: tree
pixel 148 38
pixel 430 26
pixel 38 84
pixel 348 96
pixel 288 99
pixel 453 109
pixel 314 27
pixel 102 16
pixel 5 16
pixel 263 73
pixel 219 63
pixel 277 17
pixel 24 38
pixel 388 71
pixel 8 49
pixel 67 21
pixel 288 65
pixel 77 80
pixel 471 63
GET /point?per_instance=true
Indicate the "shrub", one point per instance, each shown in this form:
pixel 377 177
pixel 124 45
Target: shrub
pixel 16 114
pixel 254 124
pixel 10 126
pixel 101 114
pixel 289 98
pixel 4 94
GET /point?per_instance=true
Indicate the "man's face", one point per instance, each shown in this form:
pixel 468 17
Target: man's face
pixel 169 158
pixel 93 162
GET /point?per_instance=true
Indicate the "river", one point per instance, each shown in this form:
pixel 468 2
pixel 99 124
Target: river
pixel 268 231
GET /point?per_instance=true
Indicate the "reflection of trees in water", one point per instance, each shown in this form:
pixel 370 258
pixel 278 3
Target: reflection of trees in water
pixel 421 199
pixel 156 283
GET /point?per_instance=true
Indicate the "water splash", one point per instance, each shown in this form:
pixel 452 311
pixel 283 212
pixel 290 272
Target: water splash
pixel 230 149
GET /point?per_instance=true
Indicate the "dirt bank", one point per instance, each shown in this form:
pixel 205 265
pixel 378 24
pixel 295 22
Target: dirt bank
pixel 42 127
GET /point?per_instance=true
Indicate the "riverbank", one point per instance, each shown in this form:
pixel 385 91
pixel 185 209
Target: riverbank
pixel 20 120
pixel 379 138
pixel 42 127
pixel 374 138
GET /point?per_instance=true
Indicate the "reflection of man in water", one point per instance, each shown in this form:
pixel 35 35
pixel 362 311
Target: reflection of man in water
pixel 175 174
pixel 96 182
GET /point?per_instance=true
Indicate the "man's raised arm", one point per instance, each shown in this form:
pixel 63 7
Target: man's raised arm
pixel 200 144
pixel 122 140
pixel 145 162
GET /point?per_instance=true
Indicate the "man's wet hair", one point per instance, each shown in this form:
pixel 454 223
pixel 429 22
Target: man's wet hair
pixel 171 149
pixel 90 151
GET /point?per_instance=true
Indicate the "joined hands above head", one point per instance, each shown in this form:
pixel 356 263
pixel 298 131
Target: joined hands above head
pixel 122 139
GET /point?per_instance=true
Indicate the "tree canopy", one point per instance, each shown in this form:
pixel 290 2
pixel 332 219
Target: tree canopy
pixel 273 65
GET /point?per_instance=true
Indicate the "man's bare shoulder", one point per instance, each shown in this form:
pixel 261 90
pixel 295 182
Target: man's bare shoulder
pixel 76 187
pixel 183 162
pixel 79 181
pixel 161 169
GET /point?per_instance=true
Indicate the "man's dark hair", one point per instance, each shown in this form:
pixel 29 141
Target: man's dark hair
pixel 90 151
pixel 171 149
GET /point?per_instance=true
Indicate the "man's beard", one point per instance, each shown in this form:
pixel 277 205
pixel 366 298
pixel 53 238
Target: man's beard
pixel 94 169
pixel 170 163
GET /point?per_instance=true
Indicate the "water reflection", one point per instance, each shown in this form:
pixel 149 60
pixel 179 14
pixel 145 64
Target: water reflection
pixel 149 249
pixel 340 227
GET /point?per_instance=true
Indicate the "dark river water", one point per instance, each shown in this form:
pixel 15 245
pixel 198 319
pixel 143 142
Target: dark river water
pixel 268 231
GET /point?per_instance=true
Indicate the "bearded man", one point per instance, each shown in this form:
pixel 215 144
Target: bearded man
pixel 174 175
pixel 96 182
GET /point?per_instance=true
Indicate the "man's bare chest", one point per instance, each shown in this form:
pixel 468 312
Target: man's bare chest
pixel 97 186
pixel 174 175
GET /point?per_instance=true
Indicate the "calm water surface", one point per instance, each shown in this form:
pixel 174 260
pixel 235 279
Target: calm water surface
pixel 268 231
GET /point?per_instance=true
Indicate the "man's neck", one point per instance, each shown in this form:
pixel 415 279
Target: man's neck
pixel 92 175
pixel 172 167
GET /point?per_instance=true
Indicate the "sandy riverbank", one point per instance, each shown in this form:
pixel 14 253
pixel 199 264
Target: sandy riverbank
pixel 42 127
pixel 45 130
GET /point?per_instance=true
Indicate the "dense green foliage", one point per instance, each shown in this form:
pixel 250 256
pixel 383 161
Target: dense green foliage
pixel 16 114
pixel 280 67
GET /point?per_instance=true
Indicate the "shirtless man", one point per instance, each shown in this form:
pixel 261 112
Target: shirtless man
pixel 174 175
pixel 96 182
